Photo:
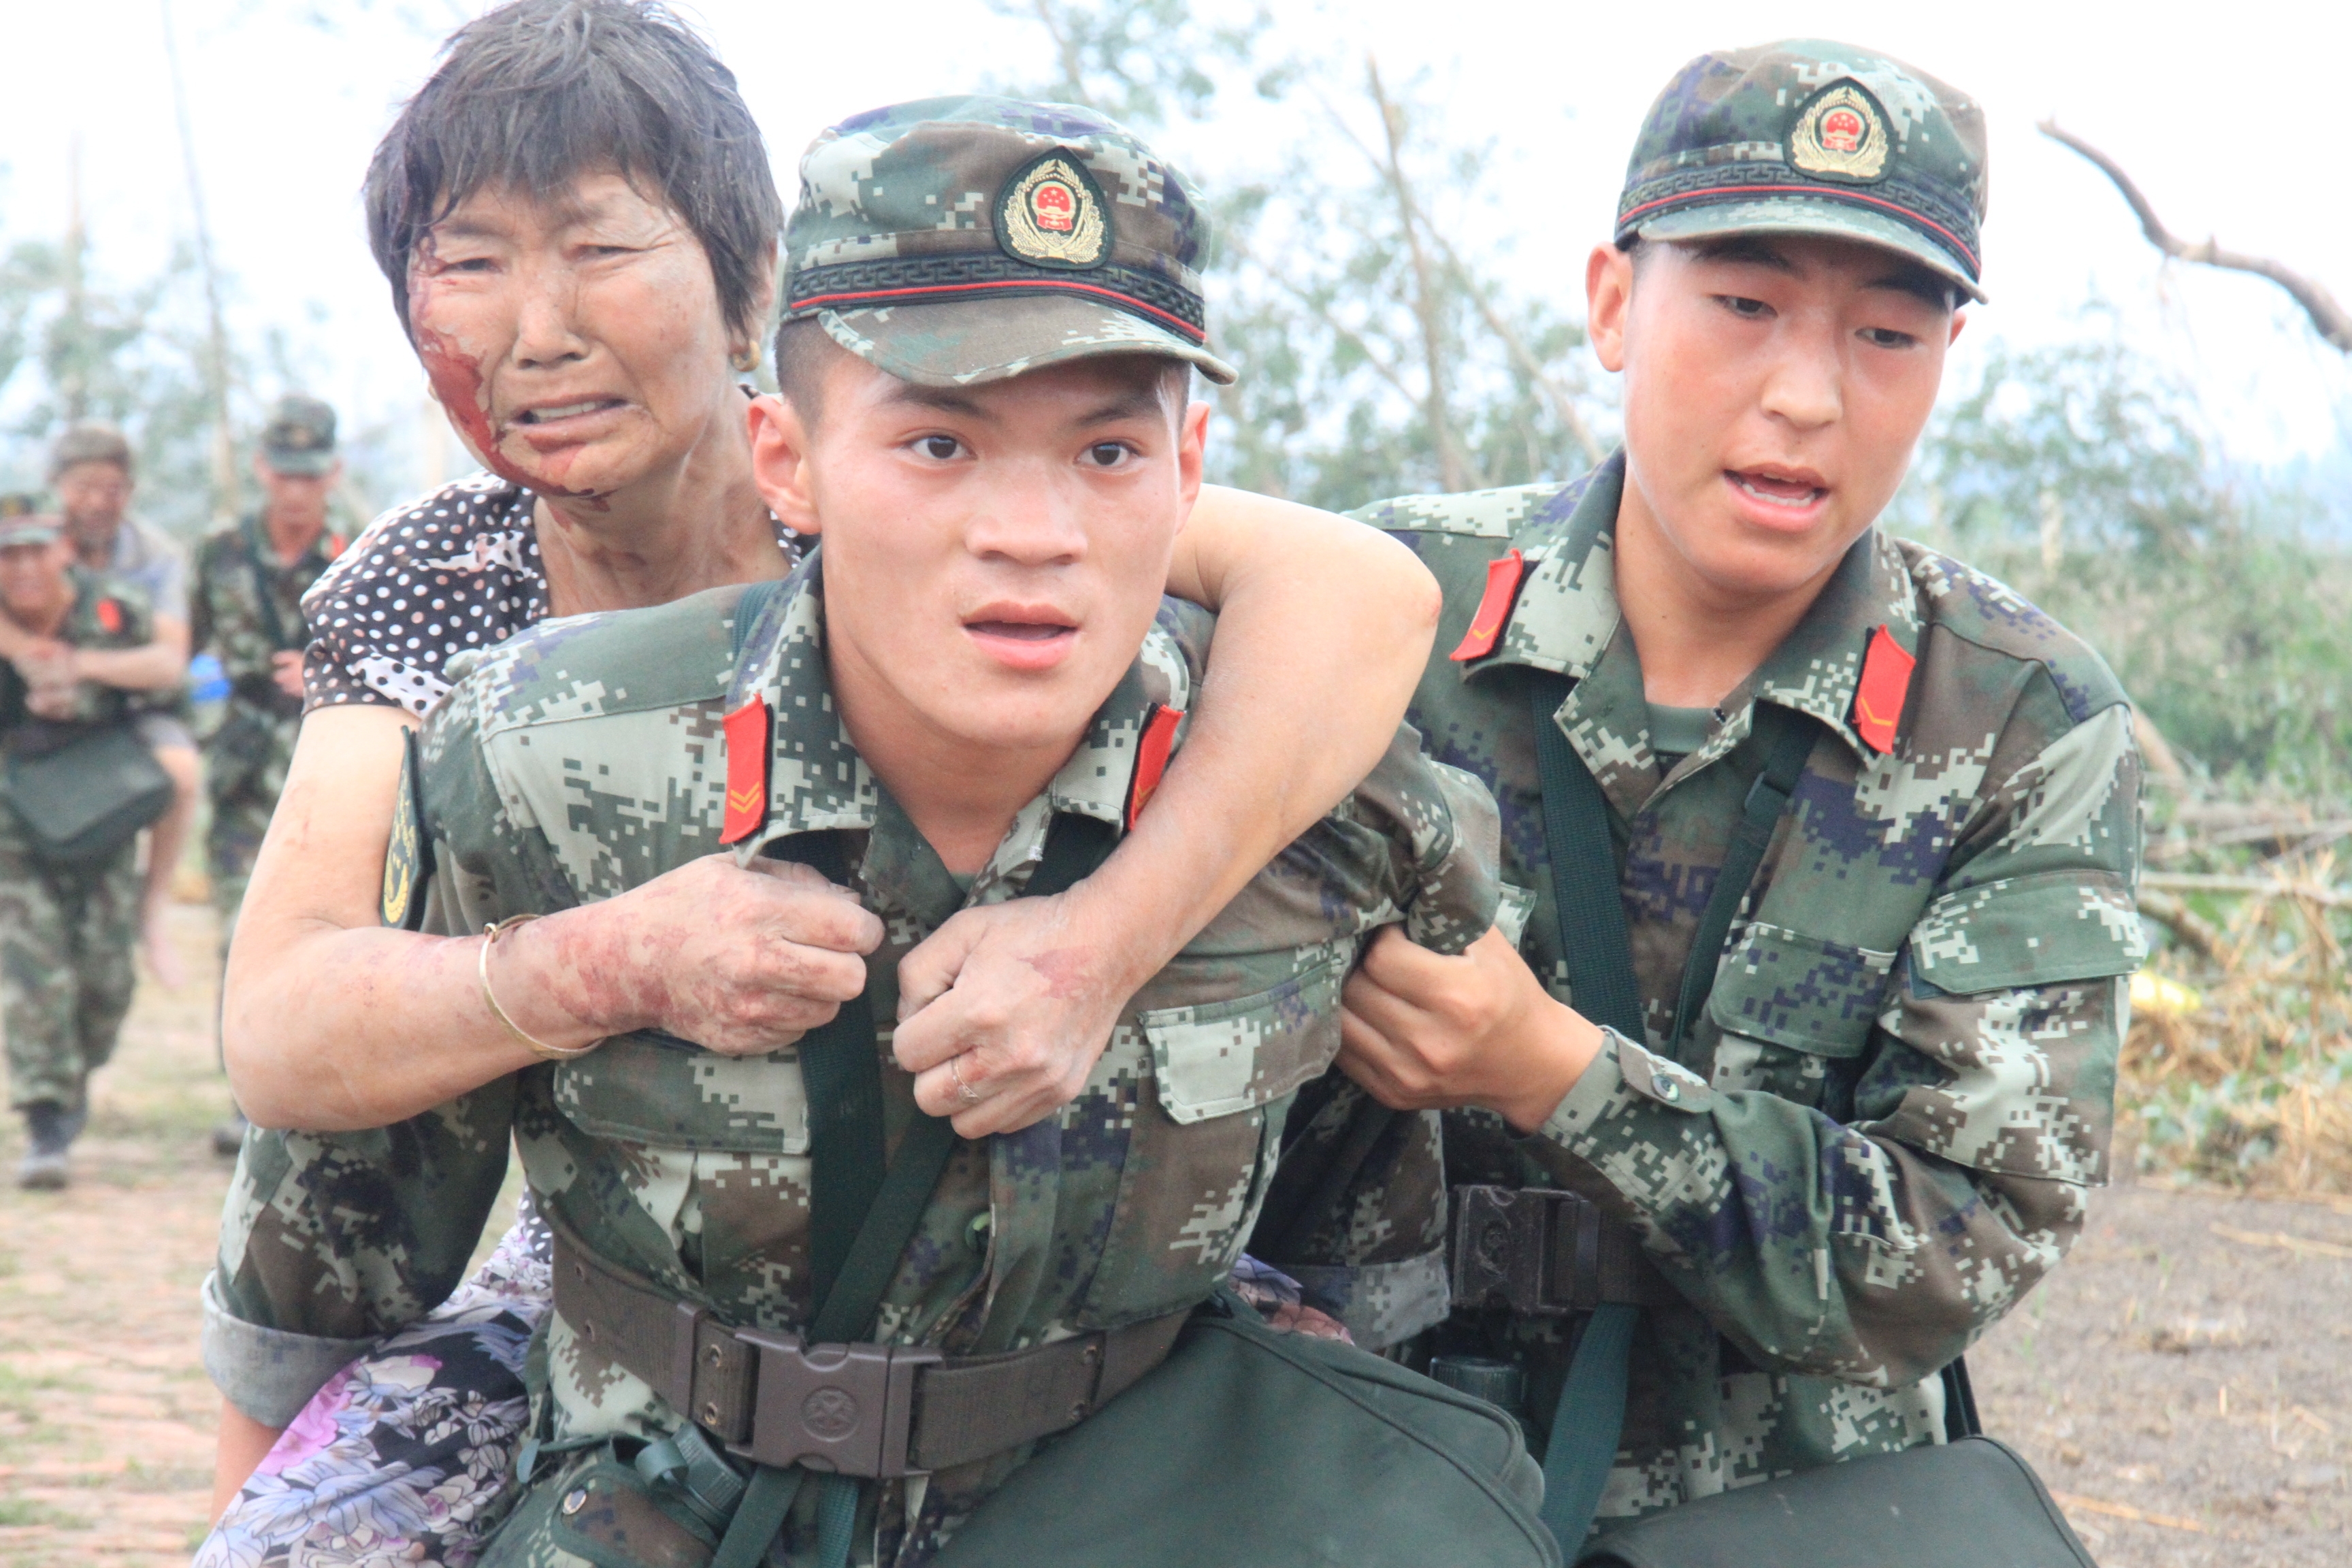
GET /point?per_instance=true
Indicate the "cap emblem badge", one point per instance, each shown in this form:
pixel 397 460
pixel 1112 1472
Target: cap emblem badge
pixel 1841 134
pixel 1052 214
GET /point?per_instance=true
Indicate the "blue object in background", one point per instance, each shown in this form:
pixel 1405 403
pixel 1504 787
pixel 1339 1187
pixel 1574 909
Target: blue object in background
pixel 206 681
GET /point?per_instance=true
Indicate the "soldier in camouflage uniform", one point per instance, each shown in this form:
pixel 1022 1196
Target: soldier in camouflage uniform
pixel 247 611
pixel 1879 1131
pixel 66 937
pixel 588 757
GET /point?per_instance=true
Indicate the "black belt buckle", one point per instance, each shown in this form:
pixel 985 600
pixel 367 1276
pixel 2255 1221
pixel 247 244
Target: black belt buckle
pixel 845 1408
pixel 1534 1249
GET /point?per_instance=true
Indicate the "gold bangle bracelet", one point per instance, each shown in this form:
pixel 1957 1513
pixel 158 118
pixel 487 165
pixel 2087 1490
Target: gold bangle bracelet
pixel 539 1048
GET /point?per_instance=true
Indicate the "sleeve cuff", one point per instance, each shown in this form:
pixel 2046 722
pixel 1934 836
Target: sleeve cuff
pixel 1623 1077
pixel 268 1374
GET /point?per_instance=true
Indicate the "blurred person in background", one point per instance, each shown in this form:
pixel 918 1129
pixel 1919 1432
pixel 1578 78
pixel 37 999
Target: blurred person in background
pixel 247 612
pixel 86 644
pixel 91 472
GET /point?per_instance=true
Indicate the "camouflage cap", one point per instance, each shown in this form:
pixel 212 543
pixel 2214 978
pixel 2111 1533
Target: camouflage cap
pixel 960 240
pixel 1809 137
pixel 91 441
pixel 299 438
pixel 22 522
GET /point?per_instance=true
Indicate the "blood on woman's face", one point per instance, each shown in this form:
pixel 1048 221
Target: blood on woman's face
pixel 577 342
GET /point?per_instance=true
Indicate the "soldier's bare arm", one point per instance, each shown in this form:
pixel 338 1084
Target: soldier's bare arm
pixel 333 1021
pixel 1323 628
pixel 149 667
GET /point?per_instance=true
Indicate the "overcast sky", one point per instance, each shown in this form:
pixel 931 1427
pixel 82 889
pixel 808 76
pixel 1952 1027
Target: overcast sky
pixel 2231 117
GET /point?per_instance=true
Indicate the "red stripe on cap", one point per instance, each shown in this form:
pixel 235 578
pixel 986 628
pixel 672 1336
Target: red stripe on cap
pixel 1494 608
pixel 868 296
pixel 1825 191
pixel 747 771
pixel 1879 695
pixel 1151 753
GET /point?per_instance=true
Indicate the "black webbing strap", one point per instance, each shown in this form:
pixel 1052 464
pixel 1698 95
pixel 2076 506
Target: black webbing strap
pixel 1597 951
pixel 1960 1418
pixel 748 610
pixel 1787 739
pixel 842 1074
pixel 863 1258
pixel 272 624
pixel 1594 946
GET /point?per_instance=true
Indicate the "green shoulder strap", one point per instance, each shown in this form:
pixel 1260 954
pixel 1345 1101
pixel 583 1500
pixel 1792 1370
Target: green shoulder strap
pixel 1598 954
pixel 862 1215
pixel 273 624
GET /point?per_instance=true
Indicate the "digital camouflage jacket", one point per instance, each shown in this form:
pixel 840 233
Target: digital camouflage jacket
pixel 1880 1135
pixel 585 757
pixel 108 611
pixel 227 617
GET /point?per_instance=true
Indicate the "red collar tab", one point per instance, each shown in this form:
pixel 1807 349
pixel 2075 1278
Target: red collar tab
pixel 747 771
pixel 110 617
pixel 336 545
pixel 1152 749
pixel 1494 608
pixel 1878 696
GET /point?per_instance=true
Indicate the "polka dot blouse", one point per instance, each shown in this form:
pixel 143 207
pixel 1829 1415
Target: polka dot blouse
pixel 459 569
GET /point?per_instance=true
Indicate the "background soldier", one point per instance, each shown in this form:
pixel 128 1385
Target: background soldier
pixel 246 610
pixel 90 470
pixel 66 936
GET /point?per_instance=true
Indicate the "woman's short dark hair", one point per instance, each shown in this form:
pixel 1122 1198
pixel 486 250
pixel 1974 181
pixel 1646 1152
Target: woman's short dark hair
pixel 535 93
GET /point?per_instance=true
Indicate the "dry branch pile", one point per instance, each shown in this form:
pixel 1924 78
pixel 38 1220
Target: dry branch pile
pixel 2238 1066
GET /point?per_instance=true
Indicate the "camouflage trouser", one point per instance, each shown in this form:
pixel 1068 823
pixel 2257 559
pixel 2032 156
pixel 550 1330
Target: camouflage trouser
pixel 244 773
pixel 66 971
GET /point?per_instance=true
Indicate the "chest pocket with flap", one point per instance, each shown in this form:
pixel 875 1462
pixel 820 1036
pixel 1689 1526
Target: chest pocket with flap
pixel 1219 1057
pixel 678 1096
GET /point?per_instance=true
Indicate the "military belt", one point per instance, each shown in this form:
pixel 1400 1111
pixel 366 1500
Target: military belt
pixel 866 1410
pixel 1547 1253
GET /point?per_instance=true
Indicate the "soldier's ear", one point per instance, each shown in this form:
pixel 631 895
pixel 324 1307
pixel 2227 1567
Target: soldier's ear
pixel 780 467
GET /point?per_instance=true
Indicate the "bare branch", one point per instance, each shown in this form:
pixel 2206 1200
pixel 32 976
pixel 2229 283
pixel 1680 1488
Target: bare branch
pixel 1453 464
pixel 2192 928
pixel 1281 280
pixel 2328 317
pixel 1563 405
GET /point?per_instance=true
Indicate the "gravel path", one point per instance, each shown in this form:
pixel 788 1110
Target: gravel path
pixel 2184 1382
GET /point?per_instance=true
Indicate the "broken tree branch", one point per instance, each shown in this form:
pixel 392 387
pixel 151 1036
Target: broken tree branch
pixel 2331 321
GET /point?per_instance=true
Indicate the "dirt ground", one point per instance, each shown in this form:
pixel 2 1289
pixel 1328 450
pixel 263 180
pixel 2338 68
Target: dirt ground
pixel 2184 1383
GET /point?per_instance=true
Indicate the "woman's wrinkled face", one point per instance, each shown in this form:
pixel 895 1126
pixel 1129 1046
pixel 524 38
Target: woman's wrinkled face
pixel 577 344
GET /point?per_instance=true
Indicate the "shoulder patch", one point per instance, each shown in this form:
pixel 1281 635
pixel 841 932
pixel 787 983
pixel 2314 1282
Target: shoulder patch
pixel 1879 695
pixel 748 743
pixel 1152 750
pixel 408 859
pixel 1494 608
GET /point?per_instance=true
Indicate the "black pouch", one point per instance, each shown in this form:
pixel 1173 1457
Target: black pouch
pixel 1973 1503
pixel 1248 1444
pixel 83 799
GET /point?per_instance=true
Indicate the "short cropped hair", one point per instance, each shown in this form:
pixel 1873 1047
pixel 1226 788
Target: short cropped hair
pixel 91 441
pixel 535 93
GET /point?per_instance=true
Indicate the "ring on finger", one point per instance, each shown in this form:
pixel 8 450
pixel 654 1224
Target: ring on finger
pixel 964 1091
